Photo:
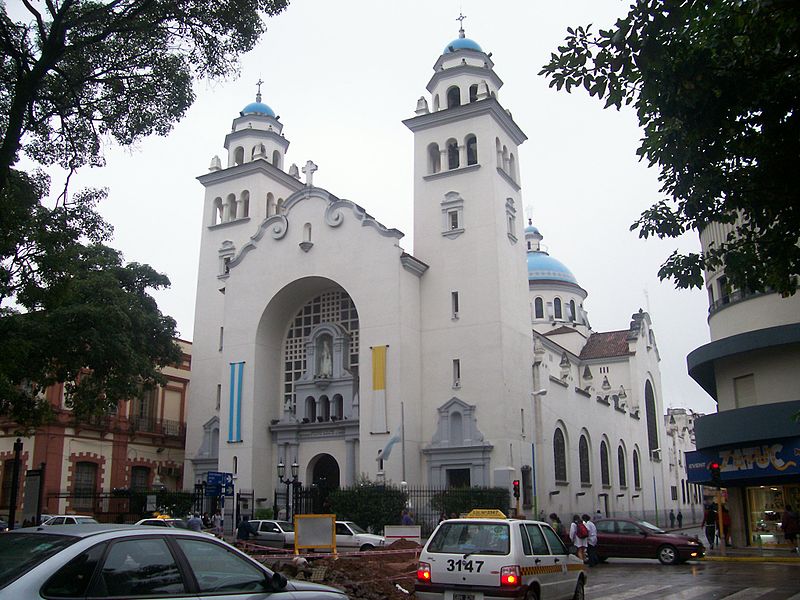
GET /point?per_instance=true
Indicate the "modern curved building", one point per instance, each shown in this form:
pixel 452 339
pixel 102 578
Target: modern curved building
pixel 750 368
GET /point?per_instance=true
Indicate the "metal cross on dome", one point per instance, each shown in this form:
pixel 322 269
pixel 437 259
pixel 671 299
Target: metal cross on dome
pixel 258 94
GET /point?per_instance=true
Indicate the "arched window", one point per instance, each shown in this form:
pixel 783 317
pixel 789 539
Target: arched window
pixel 258 150
pixel 472 150
pixel 572 314
pixel 244 205
pixel 605 475
pixel 276 159
pixel 217 213
pixel 307 232
pixel 238 156
pixel 652 419
pixel 583 455
pixel 557 308
pixel 229 212
pixel 453 97
pixel 311 409
pixel 623 480
pixel 505 159
pixel 538 307
pixel 279 206
pixel 452 155
pixel 560 455
pixel 512 167
pixel 325 409
pixel 270 204
pixel 337 410
pixel 434 158
pixel 637 477
pixel 473 92
pixel 436 103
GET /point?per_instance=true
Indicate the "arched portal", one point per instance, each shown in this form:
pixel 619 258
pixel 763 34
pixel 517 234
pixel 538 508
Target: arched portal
pixel 325 472
pixel 324 479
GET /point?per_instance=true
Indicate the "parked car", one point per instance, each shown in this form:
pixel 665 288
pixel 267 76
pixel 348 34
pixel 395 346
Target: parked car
pixel 123 561
pixel 350 535
pixel 277 534
pixel 69 520
pixel 630 538
pixel 157 522
pixel 473 558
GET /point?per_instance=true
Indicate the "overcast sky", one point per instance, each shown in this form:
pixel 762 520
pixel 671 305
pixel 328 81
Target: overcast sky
pixel 343 74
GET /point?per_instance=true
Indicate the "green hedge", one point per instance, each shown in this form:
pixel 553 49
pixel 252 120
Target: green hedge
pixel 462 500
pixel 370 505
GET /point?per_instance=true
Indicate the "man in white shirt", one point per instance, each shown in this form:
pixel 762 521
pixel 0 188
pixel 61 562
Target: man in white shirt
pixel 592 546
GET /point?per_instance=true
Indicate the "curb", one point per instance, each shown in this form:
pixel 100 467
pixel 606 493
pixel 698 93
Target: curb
pixel 772 559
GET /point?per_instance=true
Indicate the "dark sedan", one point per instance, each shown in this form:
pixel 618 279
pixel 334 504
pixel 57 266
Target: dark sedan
pixel 630 538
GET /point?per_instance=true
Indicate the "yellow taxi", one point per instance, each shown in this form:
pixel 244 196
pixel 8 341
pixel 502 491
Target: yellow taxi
pixel 485 556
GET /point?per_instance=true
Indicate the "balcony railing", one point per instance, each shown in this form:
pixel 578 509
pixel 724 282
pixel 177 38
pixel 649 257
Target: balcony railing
pixel 731 298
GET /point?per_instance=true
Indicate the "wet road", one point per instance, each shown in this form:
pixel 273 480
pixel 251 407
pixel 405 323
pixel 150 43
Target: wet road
pixel 621 579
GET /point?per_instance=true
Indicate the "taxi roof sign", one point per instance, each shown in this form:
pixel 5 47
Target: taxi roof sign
pixel 486 513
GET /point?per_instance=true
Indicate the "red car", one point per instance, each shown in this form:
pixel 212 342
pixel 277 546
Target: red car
pixel 630 538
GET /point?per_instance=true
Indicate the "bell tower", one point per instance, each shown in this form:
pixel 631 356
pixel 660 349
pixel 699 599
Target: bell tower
pixel 468 227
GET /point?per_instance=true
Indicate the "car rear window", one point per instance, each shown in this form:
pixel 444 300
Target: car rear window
pixel 20 552
pixel 471 537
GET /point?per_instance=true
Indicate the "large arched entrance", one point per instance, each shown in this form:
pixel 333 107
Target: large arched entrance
pixel 324 479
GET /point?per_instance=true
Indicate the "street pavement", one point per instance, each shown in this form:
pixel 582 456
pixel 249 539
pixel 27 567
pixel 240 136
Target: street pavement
pixel 745 554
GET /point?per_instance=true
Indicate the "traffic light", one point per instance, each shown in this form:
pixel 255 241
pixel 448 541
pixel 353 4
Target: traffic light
pixel 515 483
pixel 716 479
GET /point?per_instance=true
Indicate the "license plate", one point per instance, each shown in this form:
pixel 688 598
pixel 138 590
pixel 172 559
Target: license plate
pixel 463 596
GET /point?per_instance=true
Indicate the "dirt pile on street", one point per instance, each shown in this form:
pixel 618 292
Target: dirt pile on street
pixel 379 575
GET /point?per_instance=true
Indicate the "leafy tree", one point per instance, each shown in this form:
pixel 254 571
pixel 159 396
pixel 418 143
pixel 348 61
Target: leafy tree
pixel 87 70
pixel 79 74
pixel 715 87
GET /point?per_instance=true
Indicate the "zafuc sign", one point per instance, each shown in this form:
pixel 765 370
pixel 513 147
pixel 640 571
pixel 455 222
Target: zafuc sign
pixel 776 457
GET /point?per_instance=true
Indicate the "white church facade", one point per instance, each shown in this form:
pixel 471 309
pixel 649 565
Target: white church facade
pixel 320 341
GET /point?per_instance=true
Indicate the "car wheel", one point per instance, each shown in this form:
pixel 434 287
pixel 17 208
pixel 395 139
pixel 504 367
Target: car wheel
pixel 579 591
pixel 367 547
pixel 668 555
pixel 532 595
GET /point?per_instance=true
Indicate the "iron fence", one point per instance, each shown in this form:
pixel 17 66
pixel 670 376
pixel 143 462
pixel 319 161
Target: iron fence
pixel 123 506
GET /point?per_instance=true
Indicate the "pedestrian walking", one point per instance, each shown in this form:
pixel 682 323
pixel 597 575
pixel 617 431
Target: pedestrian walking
pixel 710 524
pixel 244 531
pixel 195 523
pixel 579 536
pixel 671 519
pixel 679 518
pixel 406 518
pixel 559 528
pixel 216 524
pixel 591 547
pixel 790 524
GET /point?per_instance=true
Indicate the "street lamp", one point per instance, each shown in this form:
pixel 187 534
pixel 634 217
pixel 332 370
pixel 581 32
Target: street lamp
pixel 289 481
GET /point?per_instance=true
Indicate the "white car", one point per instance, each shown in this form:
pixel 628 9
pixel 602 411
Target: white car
pixel 350 535
pixel 70 520
pixel 269 532
pixel 494 558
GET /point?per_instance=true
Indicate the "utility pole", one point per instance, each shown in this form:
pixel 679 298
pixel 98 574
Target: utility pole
pixel 12 511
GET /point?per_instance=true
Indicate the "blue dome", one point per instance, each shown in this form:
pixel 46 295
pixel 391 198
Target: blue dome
pixel 531 229
pixel 543 266
pixel 257 108
pixel 462 44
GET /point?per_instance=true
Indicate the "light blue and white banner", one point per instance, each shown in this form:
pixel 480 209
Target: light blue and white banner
pixel 235 412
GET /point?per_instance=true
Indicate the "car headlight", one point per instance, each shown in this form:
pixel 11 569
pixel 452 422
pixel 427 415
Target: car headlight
pixel 693 543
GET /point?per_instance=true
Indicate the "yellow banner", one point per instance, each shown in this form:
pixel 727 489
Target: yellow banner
pixel 379 368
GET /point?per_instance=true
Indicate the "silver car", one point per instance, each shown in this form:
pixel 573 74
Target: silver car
pixel 124 561
pixel 269 532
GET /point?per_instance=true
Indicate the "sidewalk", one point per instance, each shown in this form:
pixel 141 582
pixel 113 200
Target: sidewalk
pixel 744 554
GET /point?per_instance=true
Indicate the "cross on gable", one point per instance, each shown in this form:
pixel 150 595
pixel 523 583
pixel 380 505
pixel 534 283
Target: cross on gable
pixel 308 171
